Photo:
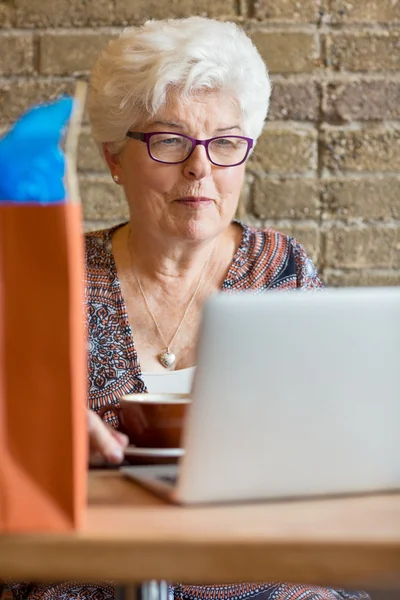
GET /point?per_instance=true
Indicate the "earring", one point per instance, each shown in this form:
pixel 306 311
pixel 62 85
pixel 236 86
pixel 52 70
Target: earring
pixel 116 178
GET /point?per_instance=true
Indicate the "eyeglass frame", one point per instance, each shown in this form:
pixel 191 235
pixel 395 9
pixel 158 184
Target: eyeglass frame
pixel 146 137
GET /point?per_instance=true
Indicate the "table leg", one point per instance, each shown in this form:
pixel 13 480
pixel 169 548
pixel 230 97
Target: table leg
pixel 128 592
pixel 147 590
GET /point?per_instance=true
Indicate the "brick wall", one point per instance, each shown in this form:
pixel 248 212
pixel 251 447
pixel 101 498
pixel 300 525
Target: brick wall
pixel 327 167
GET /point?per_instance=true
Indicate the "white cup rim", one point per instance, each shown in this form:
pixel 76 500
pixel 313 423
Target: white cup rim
pixel 148 398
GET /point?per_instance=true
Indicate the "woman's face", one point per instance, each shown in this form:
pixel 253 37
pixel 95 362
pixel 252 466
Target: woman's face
pixel 193 200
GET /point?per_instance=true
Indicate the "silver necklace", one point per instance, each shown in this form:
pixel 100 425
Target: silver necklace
pixel 168 358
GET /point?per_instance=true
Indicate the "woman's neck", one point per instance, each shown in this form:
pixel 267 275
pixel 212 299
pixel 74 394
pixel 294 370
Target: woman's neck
pixel 172 266
pixel 167 262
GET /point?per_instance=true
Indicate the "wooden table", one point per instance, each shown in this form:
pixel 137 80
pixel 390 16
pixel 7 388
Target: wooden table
pixel 131 536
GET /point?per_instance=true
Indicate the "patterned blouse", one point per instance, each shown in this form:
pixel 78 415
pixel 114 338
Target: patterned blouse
pixel 265 259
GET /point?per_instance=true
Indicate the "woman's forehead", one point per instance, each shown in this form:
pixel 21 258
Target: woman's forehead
pixel 209 108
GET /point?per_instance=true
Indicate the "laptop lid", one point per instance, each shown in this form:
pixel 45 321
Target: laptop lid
pixel 294 394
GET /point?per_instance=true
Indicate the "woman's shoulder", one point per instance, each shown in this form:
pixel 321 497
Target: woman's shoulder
pixel 274 259
pixel 267 233
pixel 267 244
pixel 100 269
pixel 98 251
pixel 97 245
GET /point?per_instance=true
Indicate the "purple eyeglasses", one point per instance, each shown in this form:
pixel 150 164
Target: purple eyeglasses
pixel 174 148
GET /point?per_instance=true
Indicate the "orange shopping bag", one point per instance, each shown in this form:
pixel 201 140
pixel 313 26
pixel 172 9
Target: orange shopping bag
pixel 43 428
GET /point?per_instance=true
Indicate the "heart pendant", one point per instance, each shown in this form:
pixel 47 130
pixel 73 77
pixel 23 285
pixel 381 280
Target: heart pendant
pixel 167 359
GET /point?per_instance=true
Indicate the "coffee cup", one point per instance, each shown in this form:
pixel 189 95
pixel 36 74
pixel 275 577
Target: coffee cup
pixel 151 420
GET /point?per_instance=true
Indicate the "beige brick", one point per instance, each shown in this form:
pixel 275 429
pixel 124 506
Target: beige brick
pixel 99 224
pixel 309 237
pixel 16 96
pixel 67 53
pixel 89 156
pixel 364 50
pixel 363 247
pixel 366 198
pixel 381 11
pixel 58 13
pixel 285 150
pixel 371 149
pixel 102 200
pixel 294 100
pixel 363 100
pixel 287 51
pixel 306 11
pixel 16 54
pixel 7 14
pixel 138 11
pixel 244 206
pixel 377 278
pixel 285 199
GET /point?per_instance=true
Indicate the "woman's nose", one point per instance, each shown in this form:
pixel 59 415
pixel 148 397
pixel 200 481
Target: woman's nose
pixel 197 166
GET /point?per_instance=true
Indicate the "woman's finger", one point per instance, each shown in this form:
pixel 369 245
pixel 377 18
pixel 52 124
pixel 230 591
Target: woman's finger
pixel 120 437
pixel 103 441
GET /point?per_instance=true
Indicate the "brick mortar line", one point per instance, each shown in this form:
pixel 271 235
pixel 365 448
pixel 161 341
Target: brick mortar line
pixel 333 224
pixel 324 29
pixel 242 8
pixel 257 26
pixel 361 27
pixel 113 8
pixel 343 270
pixel 247 24
pixel 302 126
pixel 322 242
pixel 377 176
pixel 323 75
pixel 329 224
pixel 306 176
pixel 61 31
pixel 311 126
pixel 323 23
pixel 40 78
pixel 287 222
pixel 282 177
pixel 359 125
pixel 95 177
pixel 326 177
pixel 320 77
pixel 36 54
pixel 363 176
pixel 326 75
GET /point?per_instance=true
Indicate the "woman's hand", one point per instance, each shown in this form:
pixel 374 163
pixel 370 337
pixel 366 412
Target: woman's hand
pixel 105 443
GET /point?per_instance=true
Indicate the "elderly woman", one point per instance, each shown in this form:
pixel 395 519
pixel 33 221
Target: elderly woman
pixel 176 107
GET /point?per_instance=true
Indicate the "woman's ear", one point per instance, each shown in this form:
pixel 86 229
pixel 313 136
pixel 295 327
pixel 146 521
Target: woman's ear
pixel 113 163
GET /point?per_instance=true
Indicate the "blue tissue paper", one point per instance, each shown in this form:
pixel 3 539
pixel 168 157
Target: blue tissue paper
pixel 32 164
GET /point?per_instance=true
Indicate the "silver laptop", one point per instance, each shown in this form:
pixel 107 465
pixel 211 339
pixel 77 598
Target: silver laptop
pixel 294 395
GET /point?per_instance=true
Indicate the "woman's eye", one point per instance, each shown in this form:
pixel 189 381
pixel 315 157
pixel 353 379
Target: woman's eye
pixel 224 142
pixel 175 141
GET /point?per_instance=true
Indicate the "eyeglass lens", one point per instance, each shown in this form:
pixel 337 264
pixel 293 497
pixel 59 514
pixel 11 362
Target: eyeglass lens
pixel 225 151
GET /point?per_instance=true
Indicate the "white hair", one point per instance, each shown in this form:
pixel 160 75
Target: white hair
pixel 132 75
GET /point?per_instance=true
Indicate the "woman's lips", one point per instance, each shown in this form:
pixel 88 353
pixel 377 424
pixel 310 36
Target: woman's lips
pixel 194 201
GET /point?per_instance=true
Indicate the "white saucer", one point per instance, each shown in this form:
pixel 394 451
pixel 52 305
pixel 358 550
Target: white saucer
pixel 156 452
